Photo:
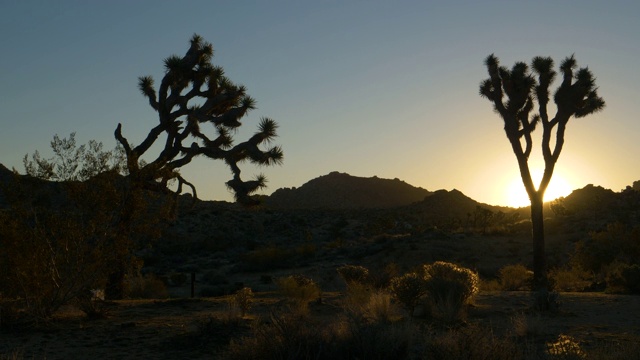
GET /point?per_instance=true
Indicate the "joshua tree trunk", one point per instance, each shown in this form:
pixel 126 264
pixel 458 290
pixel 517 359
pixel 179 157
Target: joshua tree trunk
pixel 539 258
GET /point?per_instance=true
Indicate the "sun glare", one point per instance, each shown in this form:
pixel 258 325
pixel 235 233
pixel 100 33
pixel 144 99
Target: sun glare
pixel 517 195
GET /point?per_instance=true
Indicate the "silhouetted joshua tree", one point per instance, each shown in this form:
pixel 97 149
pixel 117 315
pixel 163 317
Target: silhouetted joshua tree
pixel 194 94
pixel 514 94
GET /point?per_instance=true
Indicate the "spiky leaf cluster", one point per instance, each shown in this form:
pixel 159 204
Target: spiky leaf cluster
pixel 198 110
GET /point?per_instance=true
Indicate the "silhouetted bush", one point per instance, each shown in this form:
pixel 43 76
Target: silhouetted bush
pixel 408 289
pixel 449 288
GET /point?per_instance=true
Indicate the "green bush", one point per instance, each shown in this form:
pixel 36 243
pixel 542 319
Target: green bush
pixel 515 277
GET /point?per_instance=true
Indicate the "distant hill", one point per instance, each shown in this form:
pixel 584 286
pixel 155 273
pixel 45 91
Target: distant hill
pixel 443 204
pixel 342 191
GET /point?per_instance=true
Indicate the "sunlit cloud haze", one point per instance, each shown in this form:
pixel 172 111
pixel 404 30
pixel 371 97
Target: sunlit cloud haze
pixel 364 87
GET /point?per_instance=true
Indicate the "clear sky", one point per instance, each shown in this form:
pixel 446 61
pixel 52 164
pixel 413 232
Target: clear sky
pixel 364 87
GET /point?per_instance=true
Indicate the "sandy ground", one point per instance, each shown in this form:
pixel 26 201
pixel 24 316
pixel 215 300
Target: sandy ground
pixel 172 329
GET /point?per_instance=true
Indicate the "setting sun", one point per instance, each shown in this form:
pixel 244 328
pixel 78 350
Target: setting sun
pixel 517 195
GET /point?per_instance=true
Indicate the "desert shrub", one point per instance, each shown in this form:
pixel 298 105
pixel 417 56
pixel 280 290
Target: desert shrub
pixel 353 274
pixel 145 287
pixel 570 279
pixel 408 289
pixel 515 277
pixel 449 287
pixel 242 300
pixel 299 289
pixel 565 347
pixel 623 278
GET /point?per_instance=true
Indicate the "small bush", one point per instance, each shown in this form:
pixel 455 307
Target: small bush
pixel 408 289
pixel 449 287
pixel 566 347
pixel 299 289
pixel 515 277
pixel 353 274
pixel 242 300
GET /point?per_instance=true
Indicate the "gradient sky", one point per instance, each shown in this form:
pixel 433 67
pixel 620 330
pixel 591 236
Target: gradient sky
pixel 364 87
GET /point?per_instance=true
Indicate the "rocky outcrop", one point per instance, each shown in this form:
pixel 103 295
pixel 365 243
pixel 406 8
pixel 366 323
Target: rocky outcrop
pixel 343 191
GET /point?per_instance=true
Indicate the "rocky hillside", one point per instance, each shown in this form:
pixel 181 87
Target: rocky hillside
pixel 343 191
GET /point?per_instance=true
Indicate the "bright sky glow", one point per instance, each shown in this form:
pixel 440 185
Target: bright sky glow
pixel 365 87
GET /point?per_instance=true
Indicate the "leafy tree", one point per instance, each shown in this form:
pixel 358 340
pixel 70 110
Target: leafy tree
pixel 57 238
pixel 575 97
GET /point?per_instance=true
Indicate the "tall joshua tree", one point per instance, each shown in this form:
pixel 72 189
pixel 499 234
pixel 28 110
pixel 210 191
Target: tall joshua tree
pixel 193 94
pixel 515 94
